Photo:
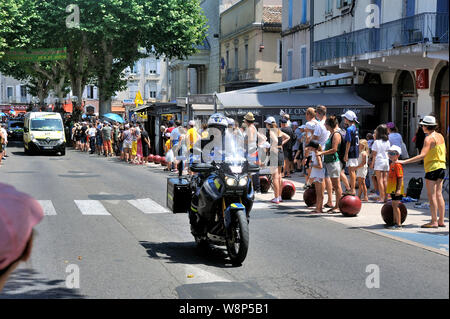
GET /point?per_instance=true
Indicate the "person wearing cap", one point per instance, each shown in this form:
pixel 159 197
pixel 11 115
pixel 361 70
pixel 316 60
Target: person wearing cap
pixel 395 185
pixel 351 149
pixel 433 155
pixel 19 214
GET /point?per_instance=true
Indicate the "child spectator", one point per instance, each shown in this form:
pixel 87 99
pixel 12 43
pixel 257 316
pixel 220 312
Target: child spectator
pixel 361 169
pixel 317 174
pixel 395 184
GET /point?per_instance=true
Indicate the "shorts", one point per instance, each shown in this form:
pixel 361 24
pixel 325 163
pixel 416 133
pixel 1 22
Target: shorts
pixel 318 174
pixel 399 197
pixel 134 148
pixel 333 170
pixel 381 165
pixel 83 139
pixel 288 155
pixel 145 150
pixel 435 175
pixel 352 162
pixel 169 156
pixel 107 144
pixel 361 172
pixel 126 145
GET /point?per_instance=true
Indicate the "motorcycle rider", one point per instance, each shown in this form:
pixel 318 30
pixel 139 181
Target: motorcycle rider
pixel 217 126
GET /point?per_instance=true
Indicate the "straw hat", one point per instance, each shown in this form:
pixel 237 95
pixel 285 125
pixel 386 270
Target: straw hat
pixel 249 117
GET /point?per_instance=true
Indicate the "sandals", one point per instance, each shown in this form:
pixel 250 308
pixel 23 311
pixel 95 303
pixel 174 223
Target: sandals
pixel 332 211
pixel 429 225
pixel 328 206
pixel 441 225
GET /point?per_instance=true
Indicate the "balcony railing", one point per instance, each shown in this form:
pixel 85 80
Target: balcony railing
pixel 232 75
pixel 421 28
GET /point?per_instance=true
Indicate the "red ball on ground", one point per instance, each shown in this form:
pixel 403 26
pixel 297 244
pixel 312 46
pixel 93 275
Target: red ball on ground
pixel 387 213
pixel 163 161
pixel 350 205
pixel 309 196
pixel 287 190
pixel 151 158
pixel 264 184
pixel 157 159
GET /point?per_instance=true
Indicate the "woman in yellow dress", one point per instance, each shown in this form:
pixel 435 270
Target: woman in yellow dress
pixel 433 155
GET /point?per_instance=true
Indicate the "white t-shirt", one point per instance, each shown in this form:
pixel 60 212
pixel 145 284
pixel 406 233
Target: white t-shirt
pixel 381 147
pixel 92 131
pixel 322 133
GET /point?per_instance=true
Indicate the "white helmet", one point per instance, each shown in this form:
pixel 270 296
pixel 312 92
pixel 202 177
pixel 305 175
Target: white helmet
pixel 218 120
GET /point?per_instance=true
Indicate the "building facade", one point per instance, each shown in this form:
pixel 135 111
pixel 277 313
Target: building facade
pixel 250 44
pixel 296 39
pixel 13 95
pixel 199 73
pixel 401 45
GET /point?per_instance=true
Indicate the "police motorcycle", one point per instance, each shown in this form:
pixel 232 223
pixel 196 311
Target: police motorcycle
pixel 221 191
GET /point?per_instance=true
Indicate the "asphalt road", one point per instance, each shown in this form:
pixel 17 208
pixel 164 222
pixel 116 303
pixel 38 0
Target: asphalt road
pixel 126 252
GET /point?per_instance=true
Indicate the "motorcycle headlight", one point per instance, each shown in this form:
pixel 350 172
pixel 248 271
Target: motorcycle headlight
pixel 231 181
pixel 243 181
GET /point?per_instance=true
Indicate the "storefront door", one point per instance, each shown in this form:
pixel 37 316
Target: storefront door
pixel 409 122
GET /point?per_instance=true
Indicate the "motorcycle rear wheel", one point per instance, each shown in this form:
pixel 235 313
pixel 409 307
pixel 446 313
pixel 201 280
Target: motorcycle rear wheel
pixel 238 238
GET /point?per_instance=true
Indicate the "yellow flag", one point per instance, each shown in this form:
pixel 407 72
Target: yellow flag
pixel 138 100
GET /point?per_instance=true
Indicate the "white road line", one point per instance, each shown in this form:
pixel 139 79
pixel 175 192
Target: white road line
pixel 91 207
pixel 47 206
pixel 148 206
pixel 260 205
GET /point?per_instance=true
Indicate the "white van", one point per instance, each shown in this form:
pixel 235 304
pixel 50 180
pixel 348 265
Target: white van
pixel 44 132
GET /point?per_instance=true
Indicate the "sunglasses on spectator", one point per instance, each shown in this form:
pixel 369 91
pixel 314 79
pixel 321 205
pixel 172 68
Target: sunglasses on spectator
pixel 393 153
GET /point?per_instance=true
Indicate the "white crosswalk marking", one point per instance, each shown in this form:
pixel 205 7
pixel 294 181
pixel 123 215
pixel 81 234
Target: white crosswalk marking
pixel 148 206
pixel 47 206
pixel 91 207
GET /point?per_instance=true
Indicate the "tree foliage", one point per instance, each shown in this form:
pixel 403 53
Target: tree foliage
pixel 112 35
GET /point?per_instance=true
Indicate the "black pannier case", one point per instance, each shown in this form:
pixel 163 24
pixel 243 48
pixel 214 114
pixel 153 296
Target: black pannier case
pixel 178 195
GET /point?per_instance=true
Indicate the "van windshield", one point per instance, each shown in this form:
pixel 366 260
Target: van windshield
pixel 41 124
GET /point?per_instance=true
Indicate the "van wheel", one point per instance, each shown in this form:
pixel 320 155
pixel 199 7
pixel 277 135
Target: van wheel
pixel 63 152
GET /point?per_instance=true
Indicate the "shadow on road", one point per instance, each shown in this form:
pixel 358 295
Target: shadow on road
pixel 188 253
pixel 26 284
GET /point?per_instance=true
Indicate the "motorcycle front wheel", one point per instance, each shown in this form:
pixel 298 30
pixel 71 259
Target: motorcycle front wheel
pixel 238 238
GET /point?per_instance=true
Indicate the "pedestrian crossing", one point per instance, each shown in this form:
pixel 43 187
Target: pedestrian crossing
pixel 96 207
pixel 143 205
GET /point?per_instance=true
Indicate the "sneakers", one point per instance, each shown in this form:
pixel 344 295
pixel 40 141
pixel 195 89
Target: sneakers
pixel 395 227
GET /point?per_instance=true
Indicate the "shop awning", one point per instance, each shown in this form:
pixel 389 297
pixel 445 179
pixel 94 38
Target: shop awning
pixel 294 83
pixel 336 97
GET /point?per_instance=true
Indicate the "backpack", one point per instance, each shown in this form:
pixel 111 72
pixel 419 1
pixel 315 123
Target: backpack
pixel 415 186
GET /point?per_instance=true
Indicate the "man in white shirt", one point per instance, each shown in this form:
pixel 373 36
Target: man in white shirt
pixel 321 135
